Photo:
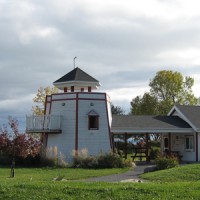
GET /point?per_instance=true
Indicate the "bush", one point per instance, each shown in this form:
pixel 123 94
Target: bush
pixel 106 160
pixel 154 153
pixel 166 162
pixel 110 160
pixel 52 157
pixel 83 160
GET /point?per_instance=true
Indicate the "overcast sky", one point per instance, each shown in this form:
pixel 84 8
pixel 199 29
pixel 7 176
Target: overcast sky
pixel 120 43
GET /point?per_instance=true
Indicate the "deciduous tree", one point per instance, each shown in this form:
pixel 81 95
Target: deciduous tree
pixel 13 143
pixel 146 104
pixel 166 89
pixel 116 110
pixel 40 99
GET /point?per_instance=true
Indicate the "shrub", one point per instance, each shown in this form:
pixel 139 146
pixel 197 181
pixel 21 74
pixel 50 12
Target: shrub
pixel 154 153
pixel 54 158
pixel 104 160
pixel 83 160
pixel 166 162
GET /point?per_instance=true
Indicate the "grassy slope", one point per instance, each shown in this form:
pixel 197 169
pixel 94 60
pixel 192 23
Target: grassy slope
pixel 190 172
pixel 42 187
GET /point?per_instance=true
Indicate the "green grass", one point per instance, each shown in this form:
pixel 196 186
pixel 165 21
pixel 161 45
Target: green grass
pixel 190 172
pixel 37 184
pixel 98 191
pixel 47 174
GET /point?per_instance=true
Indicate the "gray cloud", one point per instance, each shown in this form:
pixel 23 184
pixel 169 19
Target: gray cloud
pixel 122 44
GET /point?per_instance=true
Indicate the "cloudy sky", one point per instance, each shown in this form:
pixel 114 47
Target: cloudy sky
pixel 120 43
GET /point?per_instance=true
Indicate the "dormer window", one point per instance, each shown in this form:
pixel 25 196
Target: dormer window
pixel 93 120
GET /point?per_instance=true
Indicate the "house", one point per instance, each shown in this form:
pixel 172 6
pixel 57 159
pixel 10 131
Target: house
pixel 179 130
pixel 79 117
pixel 188 141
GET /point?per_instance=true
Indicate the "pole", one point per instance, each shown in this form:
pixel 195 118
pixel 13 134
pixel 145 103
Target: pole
pixel 74 61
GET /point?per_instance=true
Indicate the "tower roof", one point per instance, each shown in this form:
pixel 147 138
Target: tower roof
pixel 76 77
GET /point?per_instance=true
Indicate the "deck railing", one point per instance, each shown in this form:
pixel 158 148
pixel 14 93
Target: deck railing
pixel 45 123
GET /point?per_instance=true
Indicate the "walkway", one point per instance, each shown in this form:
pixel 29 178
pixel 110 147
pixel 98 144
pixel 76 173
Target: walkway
pixel 130 176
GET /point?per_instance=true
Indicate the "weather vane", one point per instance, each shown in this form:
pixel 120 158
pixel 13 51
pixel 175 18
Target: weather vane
pixel 74 61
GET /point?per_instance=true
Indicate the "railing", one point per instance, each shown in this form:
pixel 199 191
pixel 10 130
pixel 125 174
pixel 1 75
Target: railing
pixel 43 123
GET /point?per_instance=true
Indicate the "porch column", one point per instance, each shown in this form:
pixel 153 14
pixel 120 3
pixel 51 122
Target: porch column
pixel 169 136
pixel 112 138
pixel 147 148
pixel 197 148
pixel 126 145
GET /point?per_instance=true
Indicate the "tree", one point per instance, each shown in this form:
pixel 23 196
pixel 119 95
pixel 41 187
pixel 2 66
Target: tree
pixel 40 99
pixel 146 104
pixel 166 89
pixel 15 144
pixel 116 110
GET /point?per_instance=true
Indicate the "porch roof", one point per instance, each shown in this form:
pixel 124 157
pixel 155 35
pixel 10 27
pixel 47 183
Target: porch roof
pixel 148 124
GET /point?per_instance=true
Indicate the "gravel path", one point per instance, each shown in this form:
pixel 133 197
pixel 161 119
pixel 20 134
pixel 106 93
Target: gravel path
pixel 130 176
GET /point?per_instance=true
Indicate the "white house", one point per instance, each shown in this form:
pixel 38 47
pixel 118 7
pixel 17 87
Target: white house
pixel 187 142
pixel 180 130
pixel 79 117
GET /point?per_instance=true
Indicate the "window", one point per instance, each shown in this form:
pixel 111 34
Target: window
pixel 93 120
pixel 189 143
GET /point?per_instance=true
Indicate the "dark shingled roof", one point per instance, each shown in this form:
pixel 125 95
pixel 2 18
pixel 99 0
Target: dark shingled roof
pixel 76 75
pixel 137 122
pixel 192 113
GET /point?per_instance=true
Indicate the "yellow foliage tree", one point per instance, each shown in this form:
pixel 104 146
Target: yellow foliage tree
pixel 40 99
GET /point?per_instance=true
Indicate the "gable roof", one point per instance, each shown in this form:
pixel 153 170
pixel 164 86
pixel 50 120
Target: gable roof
pixel 190 114
pixel 148 124
pixel 76 75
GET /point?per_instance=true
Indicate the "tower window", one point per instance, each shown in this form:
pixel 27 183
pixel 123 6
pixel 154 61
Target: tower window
pixel 93 120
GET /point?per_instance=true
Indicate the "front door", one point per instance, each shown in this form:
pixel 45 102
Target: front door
pixel 166 144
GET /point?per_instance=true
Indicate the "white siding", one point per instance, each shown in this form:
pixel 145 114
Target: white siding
pixel 94 140
pixel 92 95
pixel 109 113
pixel 65 141
pixel 178 144
pixel 63 96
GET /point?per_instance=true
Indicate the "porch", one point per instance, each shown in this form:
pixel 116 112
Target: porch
pixel 126 125
pixel 43 124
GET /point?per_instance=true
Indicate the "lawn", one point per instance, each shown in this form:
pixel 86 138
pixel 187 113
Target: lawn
pixel 48 174
pixel 186 173
pixel 33 183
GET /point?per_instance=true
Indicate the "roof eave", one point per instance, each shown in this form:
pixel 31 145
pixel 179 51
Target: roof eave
pixel 77 82
pixel 132 130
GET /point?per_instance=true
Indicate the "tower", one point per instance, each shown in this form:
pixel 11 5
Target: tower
pixel 85 115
